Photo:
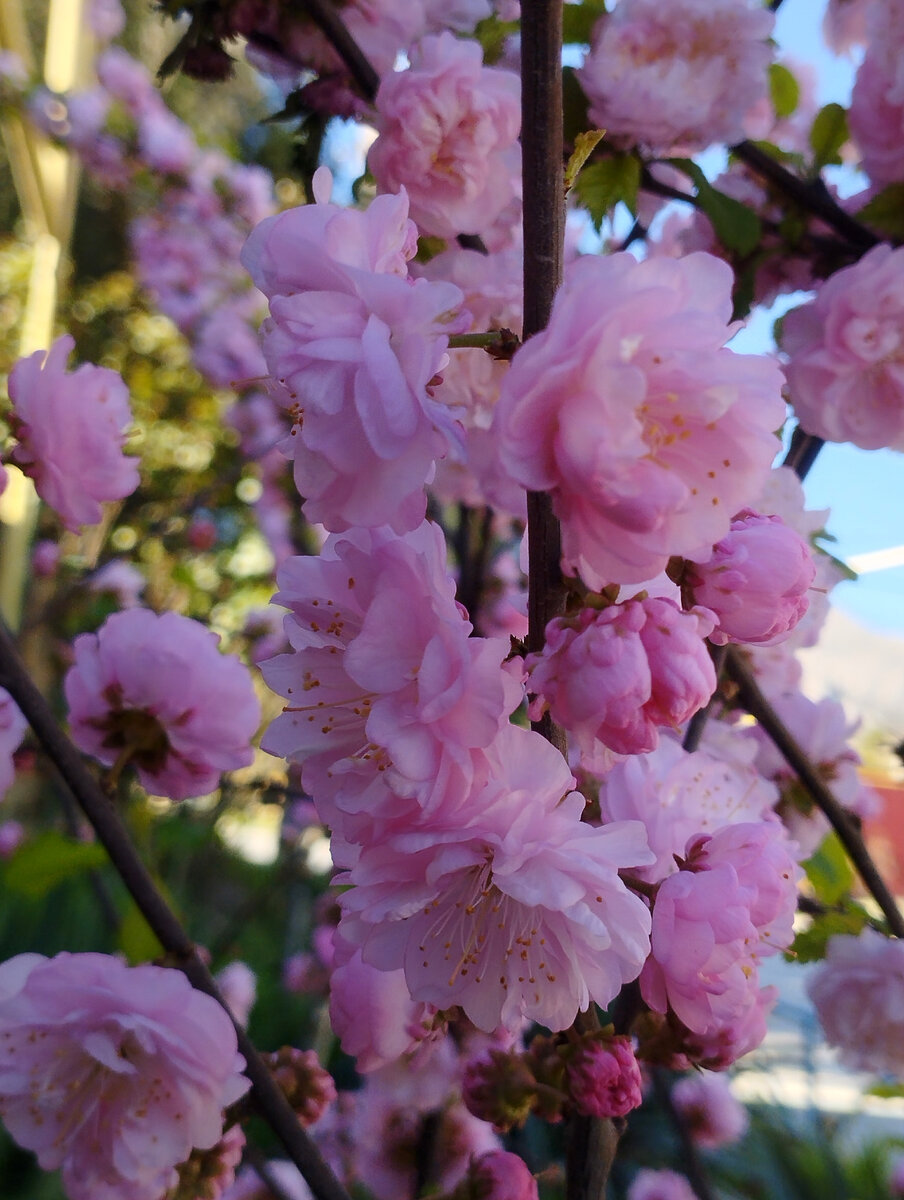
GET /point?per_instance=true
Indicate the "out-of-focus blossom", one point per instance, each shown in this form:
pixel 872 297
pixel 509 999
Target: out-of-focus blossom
pixel 660 1185
pixel 846 353
pixel 155 691
pixel 448 128
pixel 71 428
pixel 685 75
pixel 859 995
pixel 112 1073
pixel 709 1110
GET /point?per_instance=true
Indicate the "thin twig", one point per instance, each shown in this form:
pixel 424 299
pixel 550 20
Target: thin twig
pixel 113 835
pixel 753 700
pixel 334 29
pixel 697 723
pixel 811 195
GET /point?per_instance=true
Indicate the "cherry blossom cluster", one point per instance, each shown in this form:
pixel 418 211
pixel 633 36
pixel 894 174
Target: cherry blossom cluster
pixel 488 880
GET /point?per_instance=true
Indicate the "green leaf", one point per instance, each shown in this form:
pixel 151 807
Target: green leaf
pixel 584 145
pixel 828 135
pixel 601 185
pixel 885 212
pixel 578 21
pixel 886 1091
pixel 829 871
pixel 50 859
pixel 809 945
pixel 136 939
pixel 736 226
pixel 784 90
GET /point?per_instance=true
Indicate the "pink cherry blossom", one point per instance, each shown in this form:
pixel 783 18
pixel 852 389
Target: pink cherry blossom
pixel 112 1073
pixel 604 1078
pixel 71 430
pixel 519 912
pixel 660 1185
pixel 354 347
pixel 709 1110
pixel 616 676
pixel 373 1015
pixel 702 944
pixel 12 730
pixel 448 128
pixel 757 580
pixel 678 795
pixel 381 709
pixel 859 996
pixel 846 354
pixel 238 986
pixel 627 408
pixel 763 858
pixel 156 690
pixel 684 75
pixel 500 1175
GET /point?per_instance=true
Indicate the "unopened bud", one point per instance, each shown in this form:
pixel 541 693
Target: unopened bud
pixel 603 1076
pixel 309 1089
pixel 499 1088
pixel 208 1173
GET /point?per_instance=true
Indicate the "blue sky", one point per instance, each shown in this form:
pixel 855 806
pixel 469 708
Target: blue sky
pixel 864 489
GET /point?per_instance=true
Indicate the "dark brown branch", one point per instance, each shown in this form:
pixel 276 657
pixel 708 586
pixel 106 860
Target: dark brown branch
pixel 697 723
pixel 544 226
pixel 802 452
pixel 113 835
pixel 331 25
pixel 753 700
pixel 811 195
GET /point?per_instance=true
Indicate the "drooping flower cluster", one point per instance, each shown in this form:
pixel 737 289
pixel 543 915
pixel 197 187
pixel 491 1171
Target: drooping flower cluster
pixel 12 730
pixel 155 692
pixel 112 1073
pixel 71 429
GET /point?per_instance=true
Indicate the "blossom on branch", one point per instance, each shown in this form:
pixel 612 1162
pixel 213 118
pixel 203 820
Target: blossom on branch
pixel 354 347
pixel 629 409
pixel 112 1073
pixel 155 692
pixel 448 129
pixel 684 74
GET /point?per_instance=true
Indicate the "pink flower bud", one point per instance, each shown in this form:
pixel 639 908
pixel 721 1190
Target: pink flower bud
pixel 306 1085
pixel 604 1078
pixel 499 1087
pixel 498 1175
pixel 756 581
